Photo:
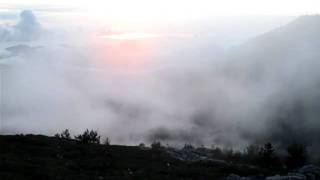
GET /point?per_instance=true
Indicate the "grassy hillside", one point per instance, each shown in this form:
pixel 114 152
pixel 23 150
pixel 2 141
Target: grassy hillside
pixel 37 157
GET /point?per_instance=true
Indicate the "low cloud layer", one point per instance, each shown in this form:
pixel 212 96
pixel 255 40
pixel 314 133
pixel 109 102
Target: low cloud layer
pixel 26 29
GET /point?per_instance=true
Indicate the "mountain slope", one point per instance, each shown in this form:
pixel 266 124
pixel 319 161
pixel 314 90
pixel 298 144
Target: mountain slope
pixel 41 157
pixel 281 70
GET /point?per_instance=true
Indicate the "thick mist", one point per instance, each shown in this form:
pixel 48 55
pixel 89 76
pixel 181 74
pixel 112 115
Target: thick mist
pixel 177 89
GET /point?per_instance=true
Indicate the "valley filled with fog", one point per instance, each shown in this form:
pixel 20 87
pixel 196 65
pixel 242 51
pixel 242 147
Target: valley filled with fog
pixel 225 82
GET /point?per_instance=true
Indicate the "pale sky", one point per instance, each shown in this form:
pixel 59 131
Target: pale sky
pixel 176 9
pixel 132 14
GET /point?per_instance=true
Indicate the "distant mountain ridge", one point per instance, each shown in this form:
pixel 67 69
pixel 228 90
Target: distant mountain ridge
pixel 303 32
pixel 282 66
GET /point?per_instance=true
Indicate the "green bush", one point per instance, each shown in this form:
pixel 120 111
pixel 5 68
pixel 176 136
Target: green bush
pixel 107 141
pixel 297 155
pixel 88 137
pixel 268 157
pixel 156 145
pixel 252 154
pixel 64 134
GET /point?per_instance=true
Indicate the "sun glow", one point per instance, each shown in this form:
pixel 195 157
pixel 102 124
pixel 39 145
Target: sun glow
pixel 125 52
pixel 130 36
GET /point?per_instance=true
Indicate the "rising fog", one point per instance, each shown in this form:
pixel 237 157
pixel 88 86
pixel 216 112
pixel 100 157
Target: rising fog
pixel 227 84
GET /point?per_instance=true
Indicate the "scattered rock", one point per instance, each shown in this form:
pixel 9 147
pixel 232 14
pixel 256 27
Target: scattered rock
pixel 310 170
pixel 233 177
pixel 291 176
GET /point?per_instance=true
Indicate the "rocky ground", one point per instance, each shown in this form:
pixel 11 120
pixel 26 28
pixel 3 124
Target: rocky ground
pixel 308 172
